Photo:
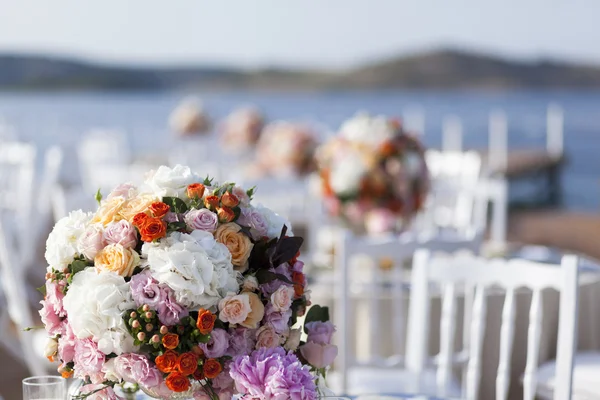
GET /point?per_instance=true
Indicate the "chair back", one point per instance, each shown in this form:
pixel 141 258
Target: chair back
pixel 383 283
pixel 450 271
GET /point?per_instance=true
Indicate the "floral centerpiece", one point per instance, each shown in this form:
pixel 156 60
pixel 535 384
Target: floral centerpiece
pixel 373 174
pixel 286 149
pixel 190 118
pixel 241 129
pixel 187 289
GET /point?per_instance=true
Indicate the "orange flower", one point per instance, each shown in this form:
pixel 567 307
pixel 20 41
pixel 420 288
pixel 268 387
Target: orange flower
pixel 140 219
pixel 170 341
pixel 229 200
pixel 198 374
pixel 225 214
pixel 67 374
pixel 198 351
pixel 167 362
pixel 206 321
pixel 152 229
pixel 387 148
pixel 211 202
pixel 299 280
pixel 177 382
pixel 159 209
pixel 187 363
pixel 195 191
pixel 212 368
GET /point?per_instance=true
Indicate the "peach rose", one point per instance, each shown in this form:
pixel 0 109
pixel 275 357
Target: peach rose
pixel 238 244
pixel 139 204
pixel 118 259
pixel 257 313
pixel 109 211
pixel 234 309
pixel 282 298
pixel 267 337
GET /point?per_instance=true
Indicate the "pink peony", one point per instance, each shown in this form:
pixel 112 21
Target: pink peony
pixel 55 296
pixel 319 355
pixel 105 394
pixel 121 232
pixel 88 361
pixel 135 368
pixel 52 322
pixel 66 344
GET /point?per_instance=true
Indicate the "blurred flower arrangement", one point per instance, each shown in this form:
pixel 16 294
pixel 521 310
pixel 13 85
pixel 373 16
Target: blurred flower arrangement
pixel 186 289
pixel 373 174
pixel 286 149
pixel 190 118
pixel 241 129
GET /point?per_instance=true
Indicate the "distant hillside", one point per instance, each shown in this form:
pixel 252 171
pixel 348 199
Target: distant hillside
pixel 442 69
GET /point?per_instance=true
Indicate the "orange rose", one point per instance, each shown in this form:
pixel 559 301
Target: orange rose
pixel 387 148
pixel 177 382
pixel 152 229
pixel 195 191
pixel 299 280
pixel 206 321
pixel 167 362
pixel 211 202
pixel 199 374
pixel 229 200
pixel 140 219
pixel 159 209
pixel 225 214
pixel 212 368
pixel 170 341
pixel 187 363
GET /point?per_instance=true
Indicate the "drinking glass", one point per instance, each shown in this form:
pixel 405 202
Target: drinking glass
pixel 44 388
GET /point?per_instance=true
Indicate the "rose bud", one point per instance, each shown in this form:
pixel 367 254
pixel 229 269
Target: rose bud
pixel 211 202
pixel 195 191
pixel 229 200
pixel 225 214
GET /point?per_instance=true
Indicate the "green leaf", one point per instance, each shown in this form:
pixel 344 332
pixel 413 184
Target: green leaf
pixel 98 196
pixel 250 192
pixel 204 338
pixel 77 266
pixel 42 290
pixel 176 204
pixel 208 181
pixel 176 226
pixel 316 313
pixel 265 276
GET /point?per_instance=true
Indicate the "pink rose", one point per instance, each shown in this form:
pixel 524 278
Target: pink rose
pixel 125 190
pixel 203 219
pixel 234 308
pixel 88 361
pixel 282 298
pixel 267 337
pixel 380 220
pixel 121 232
pixel 254 220
pixel 319 332
pixel 319 355
pixel 91 242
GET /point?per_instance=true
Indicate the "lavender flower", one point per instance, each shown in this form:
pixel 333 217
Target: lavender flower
pixel 278 320
pixel 217 345
pixel 202 219
pixel 241 342
pixel 146 290
pixel 169 311
pixel 271 373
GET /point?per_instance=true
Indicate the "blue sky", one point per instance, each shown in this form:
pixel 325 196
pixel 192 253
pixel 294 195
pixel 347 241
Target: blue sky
pixel 317 33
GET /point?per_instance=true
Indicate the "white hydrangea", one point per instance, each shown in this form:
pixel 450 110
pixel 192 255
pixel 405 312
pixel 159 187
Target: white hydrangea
pixel 367 129
pixel 274 221
pixel 195 266
pixel 61 246
pixel 347 171
pixel 171 182
pixel 95 304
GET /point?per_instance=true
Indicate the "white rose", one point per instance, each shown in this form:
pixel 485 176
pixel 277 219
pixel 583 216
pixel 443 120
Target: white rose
pixel 293 340
pixel 282 298
pixel 61 246
pixel 171 182
pixel 275 222
pixel 366 129
pixel 95 304
pixel 51 348
pixel 347 173
pixel 182 262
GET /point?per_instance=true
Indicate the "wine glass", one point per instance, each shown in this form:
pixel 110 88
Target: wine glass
pixel 44 388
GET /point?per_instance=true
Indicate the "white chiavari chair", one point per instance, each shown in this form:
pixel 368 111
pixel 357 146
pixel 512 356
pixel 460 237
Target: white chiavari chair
pixel 451 271
pixel 354 376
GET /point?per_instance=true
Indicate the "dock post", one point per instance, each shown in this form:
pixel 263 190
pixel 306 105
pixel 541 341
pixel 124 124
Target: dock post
pixel 499 193
pixel 415 120
pixel 452 132
pixel 498 141
pixel 554 130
